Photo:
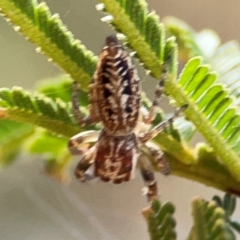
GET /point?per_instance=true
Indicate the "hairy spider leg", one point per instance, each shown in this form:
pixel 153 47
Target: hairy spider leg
pixel 148 177
pixel 158 93
pixel 82 169
pixel 158 156
pixel 144 137
pixel 153 149
pixel 78 145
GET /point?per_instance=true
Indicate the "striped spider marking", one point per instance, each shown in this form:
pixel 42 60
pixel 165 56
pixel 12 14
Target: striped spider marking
pixel 114 95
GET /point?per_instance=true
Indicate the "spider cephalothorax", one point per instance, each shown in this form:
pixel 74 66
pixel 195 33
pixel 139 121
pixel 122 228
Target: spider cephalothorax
pixel 115 102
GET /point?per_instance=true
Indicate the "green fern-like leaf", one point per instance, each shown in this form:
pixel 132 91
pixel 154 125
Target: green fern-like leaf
pixel 209 221
pixel 228 203
pixel 225 59
pixel 37 109
pixel 209 108
pixel 161 223
pixel 47 31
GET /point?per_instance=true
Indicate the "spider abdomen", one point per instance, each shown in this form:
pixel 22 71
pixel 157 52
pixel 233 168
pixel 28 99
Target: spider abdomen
pixel 116 90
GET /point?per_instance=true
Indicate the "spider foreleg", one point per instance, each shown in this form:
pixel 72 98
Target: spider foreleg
pixel 148 177
pixel 144 137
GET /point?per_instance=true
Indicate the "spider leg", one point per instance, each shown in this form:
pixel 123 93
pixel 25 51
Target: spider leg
pixel 144 137
pixel 76 111
pixel 158 156
pixel 76 147
pixel 77 142
pixel 83 172
pixel 148 177
pixel 158 93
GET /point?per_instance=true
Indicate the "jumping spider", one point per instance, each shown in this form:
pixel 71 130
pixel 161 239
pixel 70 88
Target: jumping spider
pixel 115 99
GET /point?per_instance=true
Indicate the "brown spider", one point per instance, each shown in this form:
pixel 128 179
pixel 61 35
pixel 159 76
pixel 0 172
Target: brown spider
pixel 115 102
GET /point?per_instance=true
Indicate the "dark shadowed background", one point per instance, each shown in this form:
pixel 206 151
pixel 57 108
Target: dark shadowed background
pixel 34 206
